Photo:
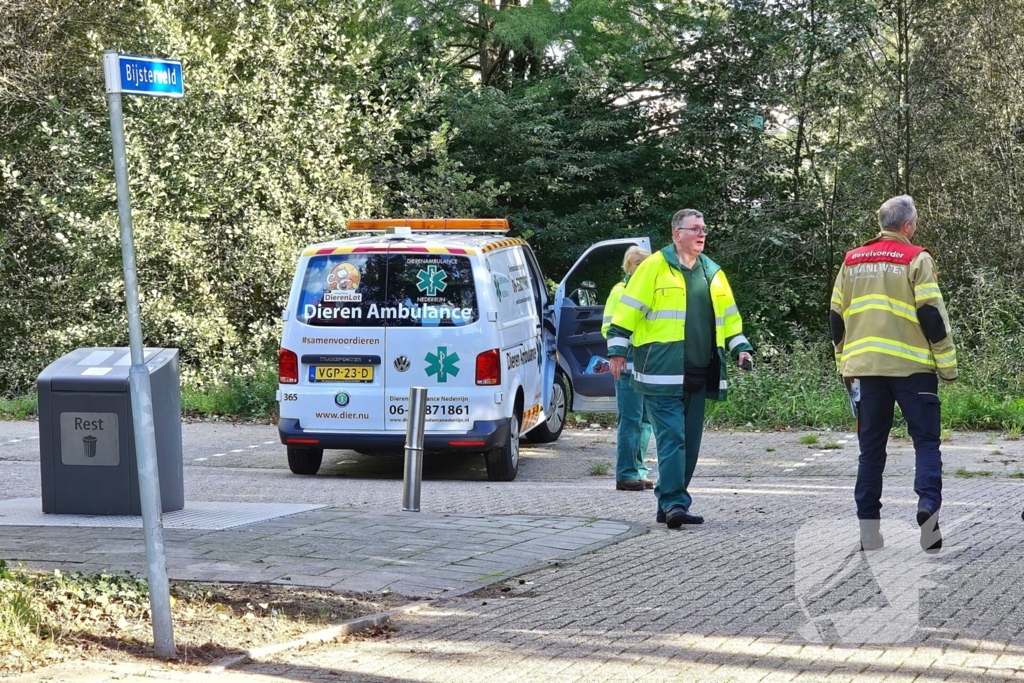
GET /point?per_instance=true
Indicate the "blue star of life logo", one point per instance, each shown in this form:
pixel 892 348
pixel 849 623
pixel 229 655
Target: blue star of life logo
pixel 431 280
pixel 442 364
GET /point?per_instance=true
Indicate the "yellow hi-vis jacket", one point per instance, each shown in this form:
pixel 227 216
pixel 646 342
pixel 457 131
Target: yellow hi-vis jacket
pixel 609 309
pixel 651 319
pixel 887 317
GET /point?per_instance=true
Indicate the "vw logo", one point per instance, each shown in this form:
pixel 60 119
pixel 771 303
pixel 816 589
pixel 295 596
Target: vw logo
pixel 342 399
pixel 402 363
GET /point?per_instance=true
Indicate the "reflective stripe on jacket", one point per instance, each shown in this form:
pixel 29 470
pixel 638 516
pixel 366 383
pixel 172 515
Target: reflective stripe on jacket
pixel 609 309
pixel 882 290
pixel 651 317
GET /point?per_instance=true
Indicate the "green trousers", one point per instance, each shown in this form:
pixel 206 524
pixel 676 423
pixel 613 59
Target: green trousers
pixel 678 429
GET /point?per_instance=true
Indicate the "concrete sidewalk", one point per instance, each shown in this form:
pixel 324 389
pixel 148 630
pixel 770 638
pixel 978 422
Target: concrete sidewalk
pixel 770 588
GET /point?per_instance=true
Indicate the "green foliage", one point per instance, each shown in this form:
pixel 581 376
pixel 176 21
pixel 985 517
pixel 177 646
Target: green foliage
pixel 599 469
pixel 790 388
pixel 37 610
pixel 808 439
pixel 19 408
pixel 243 396
pixel 578 121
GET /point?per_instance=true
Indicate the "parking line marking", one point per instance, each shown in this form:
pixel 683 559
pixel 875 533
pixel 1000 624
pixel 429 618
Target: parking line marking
pixel 789 470
pixel 200 459
pixel 799 464
pixel 218 455
pixel 252 446
pixel 267 443
pixel 238 450
pixel 14 441
pixel 850 436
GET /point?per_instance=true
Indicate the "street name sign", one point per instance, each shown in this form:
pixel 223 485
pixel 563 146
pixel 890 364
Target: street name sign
pixel 134 75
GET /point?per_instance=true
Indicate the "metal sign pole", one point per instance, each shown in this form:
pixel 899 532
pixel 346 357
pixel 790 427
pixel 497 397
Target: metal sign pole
pixel 142 400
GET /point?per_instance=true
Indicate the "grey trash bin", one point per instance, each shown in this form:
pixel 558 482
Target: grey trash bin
pixel 87 438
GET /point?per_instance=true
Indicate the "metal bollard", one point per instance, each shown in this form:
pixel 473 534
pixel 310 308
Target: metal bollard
pixel 414 449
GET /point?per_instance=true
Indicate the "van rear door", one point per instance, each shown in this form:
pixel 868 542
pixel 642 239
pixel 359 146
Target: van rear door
pixel 579 313
pixel 431 315
pixel 342 344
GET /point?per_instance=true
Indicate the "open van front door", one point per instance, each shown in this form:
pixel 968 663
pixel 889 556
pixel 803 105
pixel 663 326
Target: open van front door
pixel 578 315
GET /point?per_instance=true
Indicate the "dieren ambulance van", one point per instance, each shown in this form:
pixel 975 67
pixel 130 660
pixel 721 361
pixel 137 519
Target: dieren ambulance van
pixel 453 305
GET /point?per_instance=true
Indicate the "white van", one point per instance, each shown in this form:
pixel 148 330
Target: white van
pixel 452 305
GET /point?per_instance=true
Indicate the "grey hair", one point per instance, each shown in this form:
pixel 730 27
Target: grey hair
pixel 895 212
pixel 677 219
pixel 627 260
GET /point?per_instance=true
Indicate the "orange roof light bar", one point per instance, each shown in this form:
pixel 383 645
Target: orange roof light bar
pixel 438 224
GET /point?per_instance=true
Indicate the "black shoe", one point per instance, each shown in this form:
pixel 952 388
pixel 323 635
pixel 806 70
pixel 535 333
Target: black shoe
pixel 931 537
pixel 677 515
pixel 629 485
pixel 660 517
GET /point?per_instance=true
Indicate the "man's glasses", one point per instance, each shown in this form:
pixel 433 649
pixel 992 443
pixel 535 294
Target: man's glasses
pixel 696 231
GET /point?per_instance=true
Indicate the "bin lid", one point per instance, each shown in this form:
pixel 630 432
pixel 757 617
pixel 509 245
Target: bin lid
pixel 99 368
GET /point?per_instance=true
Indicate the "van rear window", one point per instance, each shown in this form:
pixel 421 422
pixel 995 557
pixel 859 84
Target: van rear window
pixel 388 290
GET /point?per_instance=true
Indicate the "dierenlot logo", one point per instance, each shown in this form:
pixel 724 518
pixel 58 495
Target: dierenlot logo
pixel 855 597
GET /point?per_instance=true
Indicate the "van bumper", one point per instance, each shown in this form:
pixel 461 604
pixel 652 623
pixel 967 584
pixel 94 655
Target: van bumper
pixel 484 436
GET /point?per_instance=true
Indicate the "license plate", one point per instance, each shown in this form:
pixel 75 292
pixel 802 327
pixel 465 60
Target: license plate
pixel 341 373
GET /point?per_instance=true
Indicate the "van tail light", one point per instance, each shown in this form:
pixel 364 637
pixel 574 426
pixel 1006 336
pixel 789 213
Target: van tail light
pixel 488 367
pixel 287 367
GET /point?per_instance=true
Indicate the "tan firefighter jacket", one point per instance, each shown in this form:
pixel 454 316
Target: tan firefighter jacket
pixel 888 318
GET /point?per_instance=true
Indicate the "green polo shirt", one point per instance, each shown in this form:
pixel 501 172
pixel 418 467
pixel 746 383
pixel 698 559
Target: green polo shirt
pixel 700 315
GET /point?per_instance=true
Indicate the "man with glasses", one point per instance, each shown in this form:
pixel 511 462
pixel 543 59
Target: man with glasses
pixel 680 318
pixel 891 332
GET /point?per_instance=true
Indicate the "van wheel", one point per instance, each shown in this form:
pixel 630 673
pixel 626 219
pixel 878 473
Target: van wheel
pixel 503 461
pixel 551 429
pixel 305 460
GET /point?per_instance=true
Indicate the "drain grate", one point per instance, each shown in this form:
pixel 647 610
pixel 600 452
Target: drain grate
pixel 195 515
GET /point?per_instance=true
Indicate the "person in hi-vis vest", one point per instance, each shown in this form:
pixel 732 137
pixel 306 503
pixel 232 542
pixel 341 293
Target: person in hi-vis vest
pixel 634 429
pixel 679 316
pixel 890 330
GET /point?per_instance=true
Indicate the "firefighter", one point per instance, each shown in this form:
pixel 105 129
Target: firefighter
pixel 890 330
pixel 679 316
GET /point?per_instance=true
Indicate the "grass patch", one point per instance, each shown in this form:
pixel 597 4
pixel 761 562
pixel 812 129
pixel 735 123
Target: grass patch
pixel 46 618
pixel 587 419
pixel 831 445
pixel 245 397
pixel 967 474
pixel 19 408
pixel 599 469
pixel 1017 475
pixel 770 449
pixel 808 439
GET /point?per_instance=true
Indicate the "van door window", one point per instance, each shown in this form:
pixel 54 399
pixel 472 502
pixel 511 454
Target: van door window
pixel 382 290
pixel 430 290
pixel 339 290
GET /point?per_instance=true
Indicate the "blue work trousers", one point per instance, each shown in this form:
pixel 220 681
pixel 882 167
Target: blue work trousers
pixel 917 396
pixel 678 429
pixel 634 435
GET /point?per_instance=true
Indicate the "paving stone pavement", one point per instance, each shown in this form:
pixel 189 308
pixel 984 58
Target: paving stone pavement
pixel 771 588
